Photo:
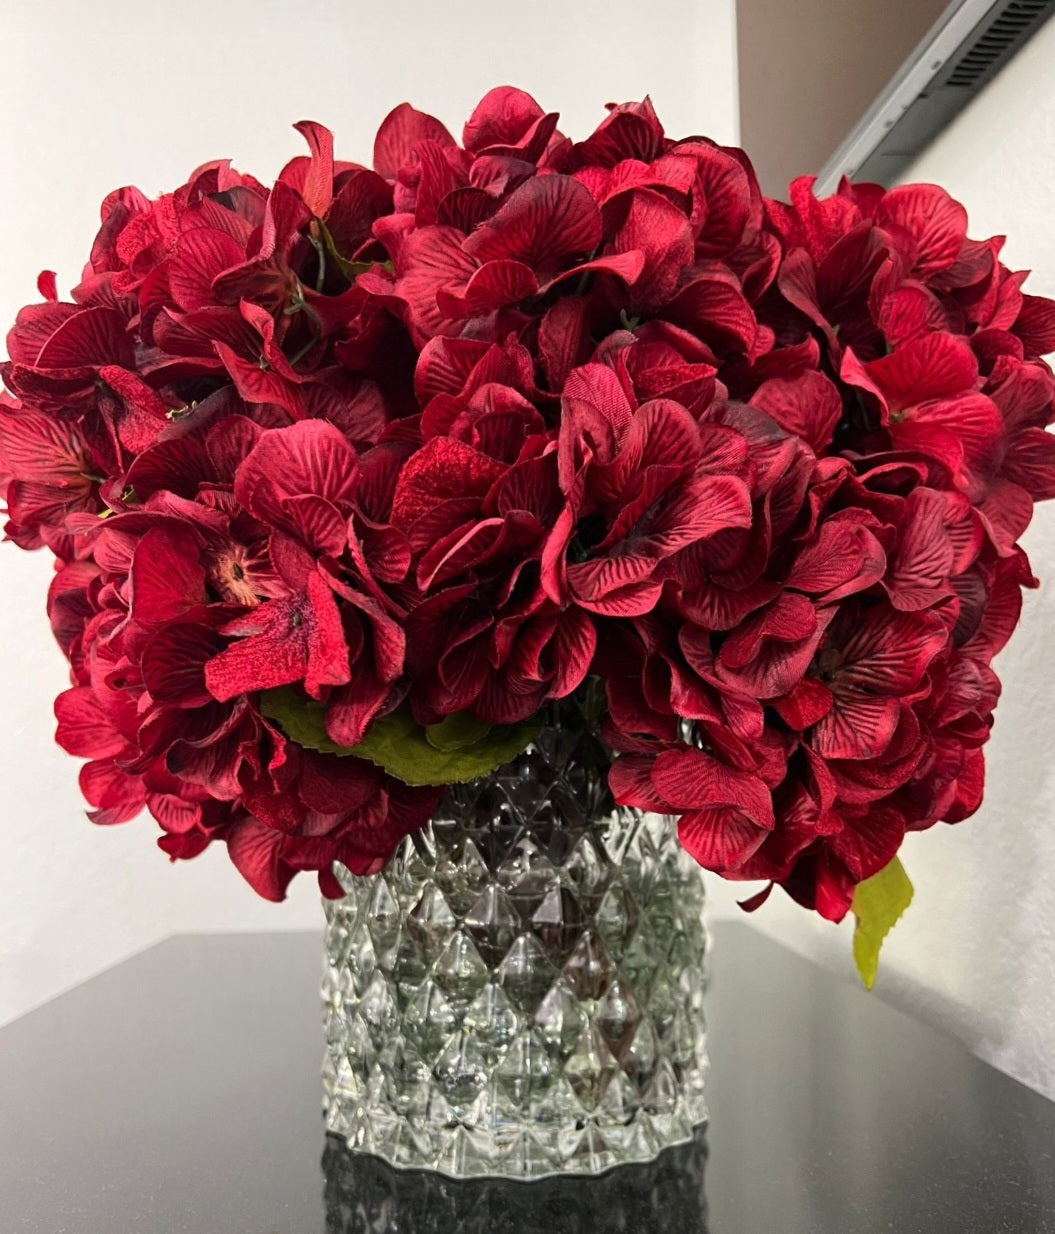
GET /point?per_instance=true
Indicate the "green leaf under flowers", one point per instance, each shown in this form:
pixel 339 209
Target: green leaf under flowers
pixel 348 268
pixel 458 749
pixel 456 732
pixel 878 904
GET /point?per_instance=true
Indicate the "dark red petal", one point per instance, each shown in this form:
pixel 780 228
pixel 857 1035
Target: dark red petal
pixel 859 726
pixel 574 644
pixel 312 457
pixel 630 780
pixel 501 118
pixel 443 468
pixel 94 336
pixel 714 307
pixel 808 405
pixel 257 385
pixel 432 259
pixel 542 223
pixel 494 285
pixel 1035 325
pixel 318 184
pixel 689 779
pixel 658 230
pixel 300 639
pixel 936 223
pixel 117 796
pixel 34 325
pixel 445 364
pixel 805 705
pixel 46 285
pixel 256 851
pixel 1030 462
pixel 400 132
pixel 931 367
pixel 630 131
pixel 174 661
pixel 971 423
pixel 720 839
pixel 563 339
pixel 166 579
pixel 351 707
pixel 37 448
pixel 85 728
pixel 888 652
pixel 202 255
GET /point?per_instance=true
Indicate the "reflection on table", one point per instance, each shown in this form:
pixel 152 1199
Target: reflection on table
pixel 365 1195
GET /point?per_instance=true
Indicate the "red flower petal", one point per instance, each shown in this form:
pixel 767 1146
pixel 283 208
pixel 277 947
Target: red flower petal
pixel 630 131
pixel 312 459
pixel 936 223
pixel 659 230
pixel 117 796
pixel 318 184
pixel 720 839
pixel 808 405
pixel 174 664
pixel 256 851
pixel 441 469
pixel 888 652
pixel 1035 326
pixel 545 221
pixel 201 256
pixel 94 336
pixel 563 339
pixel 630 779
pixel 492 286
pixel 1030 462
pixel 166 578
pixel 501 118
pixel 299 639
pixel 45 451
pixel 931 367
pixel 400 132
pixel 85 728
pixel 859 726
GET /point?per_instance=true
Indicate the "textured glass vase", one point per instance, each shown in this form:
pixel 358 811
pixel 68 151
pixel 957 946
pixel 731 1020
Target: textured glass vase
pixel 520 991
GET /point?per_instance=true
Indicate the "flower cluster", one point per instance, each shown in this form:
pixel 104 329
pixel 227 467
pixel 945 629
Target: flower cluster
pixel 494 423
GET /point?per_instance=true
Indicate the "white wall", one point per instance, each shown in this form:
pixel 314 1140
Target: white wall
pixel 976 952
pixel 99 94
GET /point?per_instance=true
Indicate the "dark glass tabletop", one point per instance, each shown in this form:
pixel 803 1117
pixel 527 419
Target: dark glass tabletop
pixel 178 1093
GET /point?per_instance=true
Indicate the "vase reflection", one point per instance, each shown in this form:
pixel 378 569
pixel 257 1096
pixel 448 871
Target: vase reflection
pixel 364 1195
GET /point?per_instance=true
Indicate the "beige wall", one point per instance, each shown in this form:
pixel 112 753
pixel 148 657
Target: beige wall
pixel 808 71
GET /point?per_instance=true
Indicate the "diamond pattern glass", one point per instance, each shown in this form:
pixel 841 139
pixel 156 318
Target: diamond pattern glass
pixel 520 991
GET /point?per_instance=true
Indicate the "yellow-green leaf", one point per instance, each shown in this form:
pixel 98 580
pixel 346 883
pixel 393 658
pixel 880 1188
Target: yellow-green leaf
pixel 456 750
pixel 878 904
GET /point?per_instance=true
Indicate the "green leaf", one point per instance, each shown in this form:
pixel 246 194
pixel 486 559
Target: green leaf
pixel 878 904
pixel 456 732
pixel 458 749
pixel 404 749
pixel 348 268
pixel 301 719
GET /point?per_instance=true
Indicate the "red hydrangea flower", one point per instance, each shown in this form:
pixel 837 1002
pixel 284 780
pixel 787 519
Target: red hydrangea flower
pixel 517 419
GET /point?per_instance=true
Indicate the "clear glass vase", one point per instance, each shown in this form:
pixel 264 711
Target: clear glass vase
pixel 520 992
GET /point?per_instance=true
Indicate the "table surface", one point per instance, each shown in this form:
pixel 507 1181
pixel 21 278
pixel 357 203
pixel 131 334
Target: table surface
pixel 178 1093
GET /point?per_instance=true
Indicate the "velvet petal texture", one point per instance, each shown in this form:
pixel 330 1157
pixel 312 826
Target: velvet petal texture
pixel 518 419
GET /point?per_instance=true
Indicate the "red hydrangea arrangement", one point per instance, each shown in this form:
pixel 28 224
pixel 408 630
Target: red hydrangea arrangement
pixel 348 480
